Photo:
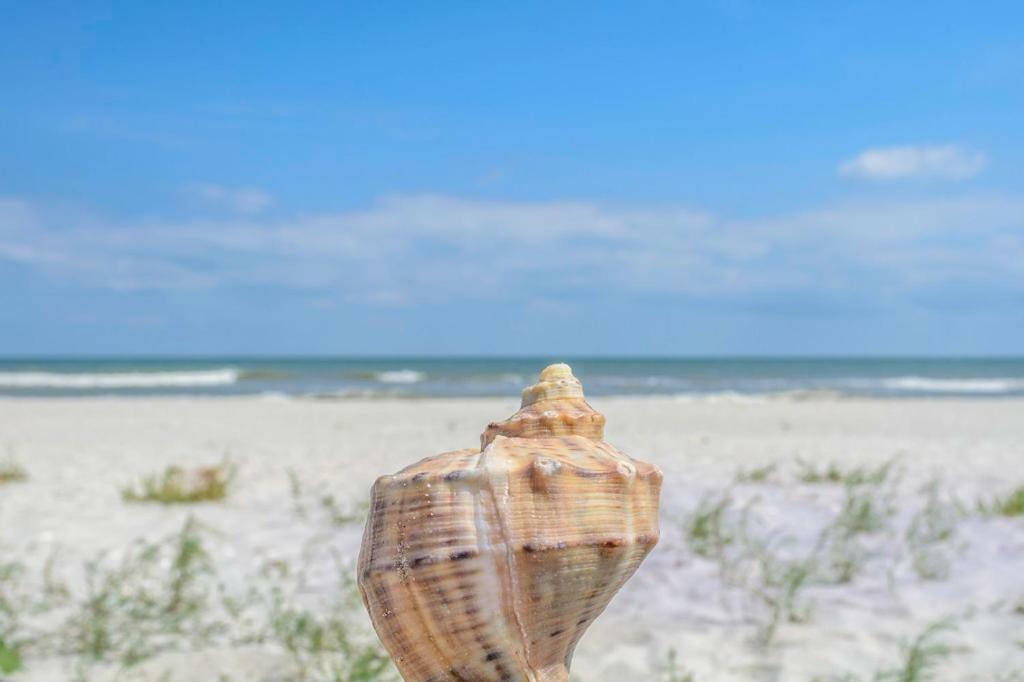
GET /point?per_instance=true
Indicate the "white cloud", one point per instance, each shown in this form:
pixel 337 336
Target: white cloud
pixel 244 200
pixel 936 162
pixel 426 248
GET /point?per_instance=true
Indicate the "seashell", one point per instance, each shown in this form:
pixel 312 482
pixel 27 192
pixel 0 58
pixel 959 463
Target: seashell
pixel 489 564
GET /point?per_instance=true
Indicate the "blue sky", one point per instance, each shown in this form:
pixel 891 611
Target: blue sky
pixel 428 178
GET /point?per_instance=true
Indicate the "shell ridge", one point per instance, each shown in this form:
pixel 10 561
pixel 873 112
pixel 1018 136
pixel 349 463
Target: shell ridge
pixel 623 568
pixel 432 635
pixel 422 613
pixel 508 579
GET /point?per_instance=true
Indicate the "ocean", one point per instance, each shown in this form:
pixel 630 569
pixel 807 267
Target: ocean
pixel 340 377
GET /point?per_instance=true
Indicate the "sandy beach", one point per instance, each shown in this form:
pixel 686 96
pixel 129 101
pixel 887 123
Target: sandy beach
pixel 774 591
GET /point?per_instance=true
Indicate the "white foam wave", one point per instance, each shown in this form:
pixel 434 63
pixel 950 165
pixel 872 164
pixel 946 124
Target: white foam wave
pixel 88 380
pixel 400 376
pixel 926 385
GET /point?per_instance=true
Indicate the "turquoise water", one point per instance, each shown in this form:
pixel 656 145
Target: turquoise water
pixel 420 377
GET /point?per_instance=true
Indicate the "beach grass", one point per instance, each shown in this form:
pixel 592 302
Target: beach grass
pixel 781 587
pixel 13 605
pixel 179 485
pixel 132 606
pixel 340 514
pixel 167 595
pixel 12 472
pixel 759 474
pixel 10 658
pixel 922 656
pixel 305 500
pixel 774 579
pixel 842 557
pixel 671 671
pixel 1011 504
pixel 321 646
pixel 866 509
pixel 931 534
pixel 706 529
pixel 808 472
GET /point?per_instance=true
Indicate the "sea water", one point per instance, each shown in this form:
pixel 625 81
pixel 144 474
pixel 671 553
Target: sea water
pixel 329 377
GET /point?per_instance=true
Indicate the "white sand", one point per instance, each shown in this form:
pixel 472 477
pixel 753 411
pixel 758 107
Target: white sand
pixel 80 452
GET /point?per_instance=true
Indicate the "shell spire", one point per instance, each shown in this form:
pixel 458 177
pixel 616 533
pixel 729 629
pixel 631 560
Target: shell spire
pixel 489 564
pixel 554 406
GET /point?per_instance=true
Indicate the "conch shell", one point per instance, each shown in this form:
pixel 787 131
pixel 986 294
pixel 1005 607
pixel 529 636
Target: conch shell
pixel 489 564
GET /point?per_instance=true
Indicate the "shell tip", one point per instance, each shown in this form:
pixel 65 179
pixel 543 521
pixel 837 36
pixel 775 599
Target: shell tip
pixel 558 370
pixel 556 381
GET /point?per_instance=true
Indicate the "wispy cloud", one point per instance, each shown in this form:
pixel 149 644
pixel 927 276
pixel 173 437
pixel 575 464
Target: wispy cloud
pixel 927 162
pixel 425 248
pixel 244 200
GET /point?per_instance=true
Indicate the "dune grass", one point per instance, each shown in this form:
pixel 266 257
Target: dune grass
pixel 670 670
pixel 308 500
pixel 10 658
pixel 322 645
pixel 1010 505
pixel 780 590
pixel 775 571
pixel 931 534
pixel 12 472
pixel 922 656
pixel 167 595
pixel 921 660
pixel 178 485
pixel 133 607
pixel 759 474
pixel 866 509
pixel 13 606
pixel 841 558
pixel 774 580
pixel 835 474
pixel 706 529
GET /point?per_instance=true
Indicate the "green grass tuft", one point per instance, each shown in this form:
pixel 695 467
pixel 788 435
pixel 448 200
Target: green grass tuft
pixel 931 534
pixel 1010 505
pixel 842 557
pixel 781 591
pixel 921 656
pixel 322 647
pixel 833 473
pixel 10 658
pixel 12 472
pixel 133 608
pixel 757 474
pixel 178 485
pixel 671 672
pixel 308 500
pixel 865 510
pixel 706 529
pixel 343 515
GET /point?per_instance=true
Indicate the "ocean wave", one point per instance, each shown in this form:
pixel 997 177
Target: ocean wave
pixel 91 380
pixel 399 376
pixel 976 385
